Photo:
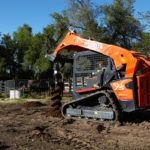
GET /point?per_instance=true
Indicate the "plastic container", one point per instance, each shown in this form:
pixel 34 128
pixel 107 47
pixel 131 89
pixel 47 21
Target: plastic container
pixel 14 94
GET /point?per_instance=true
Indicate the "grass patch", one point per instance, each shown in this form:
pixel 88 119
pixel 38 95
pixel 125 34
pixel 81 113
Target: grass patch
pixel 43 99
pixel 10 101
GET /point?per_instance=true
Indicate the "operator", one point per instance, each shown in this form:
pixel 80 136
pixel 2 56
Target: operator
pixel 106 73
pixel 100 73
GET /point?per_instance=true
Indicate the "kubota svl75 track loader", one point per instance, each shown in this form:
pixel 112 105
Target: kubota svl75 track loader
pixel 107 79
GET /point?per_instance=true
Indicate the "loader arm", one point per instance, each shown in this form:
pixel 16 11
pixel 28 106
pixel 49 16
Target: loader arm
pixel 73 42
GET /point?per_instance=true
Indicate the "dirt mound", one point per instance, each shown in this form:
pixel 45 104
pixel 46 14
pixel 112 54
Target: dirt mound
pixel 31 129
pixel 54 112
pixel 33 104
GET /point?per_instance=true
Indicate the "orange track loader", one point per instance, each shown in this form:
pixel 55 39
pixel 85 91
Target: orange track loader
pixel 122 84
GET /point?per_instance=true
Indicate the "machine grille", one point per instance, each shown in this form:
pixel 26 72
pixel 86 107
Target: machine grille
pixel 86 66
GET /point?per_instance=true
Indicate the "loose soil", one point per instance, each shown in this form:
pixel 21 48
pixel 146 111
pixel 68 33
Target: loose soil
pixel 29 128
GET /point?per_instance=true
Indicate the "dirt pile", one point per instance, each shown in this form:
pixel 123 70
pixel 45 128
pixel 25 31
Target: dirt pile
pixel 33 104
pixel 31 129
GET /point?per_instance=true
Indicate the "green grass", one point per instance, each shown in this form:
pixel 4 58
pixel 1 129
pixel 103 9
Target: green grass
pixel 10 101
pixel 23 100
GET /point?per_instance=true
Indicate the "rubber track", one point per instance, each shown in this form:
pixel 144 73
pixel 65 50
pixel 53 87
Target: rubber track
pixel 109 94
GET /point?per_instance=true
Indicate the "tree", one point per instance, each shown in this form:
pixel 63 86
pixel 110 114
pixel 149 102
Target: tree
pixel 61 23
pixel 120 25
pixel 34 57
pixel 23 40
pixel 7 57
pixel 2 61
pixel 83 15
pixel 42 43
pixel 145 20
pixel 143 45
pixel 49 38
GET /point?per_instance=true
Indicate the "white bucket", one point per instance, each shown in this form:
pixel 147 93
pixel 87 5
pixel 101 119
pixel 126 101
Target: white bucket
pixel 14 94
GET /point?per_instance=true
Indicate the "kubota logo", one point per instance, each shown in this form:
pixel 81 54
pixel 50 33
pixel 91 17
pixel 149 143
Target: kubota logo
pixel 93 45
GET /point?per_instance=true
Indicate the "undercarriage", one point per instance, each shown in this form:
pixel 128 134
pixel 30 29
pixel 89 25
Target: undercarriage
pixel 97 106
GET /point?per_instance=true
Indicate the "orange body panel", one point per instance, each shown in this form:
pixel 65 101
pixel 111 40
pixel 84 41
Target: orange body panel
pixel 143 90
pixel 119 55
pixel 121 91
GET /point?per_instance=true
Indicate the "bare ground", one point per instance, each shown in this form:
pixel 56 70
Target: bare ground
pixel 28 128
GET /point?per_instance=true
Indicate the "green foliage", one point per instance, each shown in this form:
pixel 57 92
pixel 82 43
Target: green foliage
pixel 7 61
pixel 41 64
pixel 49 38
pixel 60 26
pixel 33 51
pixel 23 35
pixel 2 65
pixel 121 26
pixel 143 45
pixel 83 15
pixel 42 43
pixel 22 38
pixel 145 20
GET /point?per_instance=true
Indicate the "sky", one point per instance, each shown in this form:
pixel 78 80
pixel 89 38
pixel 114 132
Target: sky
pixel 36 13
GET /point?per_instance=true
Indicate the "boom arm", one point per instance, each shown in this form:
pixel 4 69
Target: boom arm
pixel 73 42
